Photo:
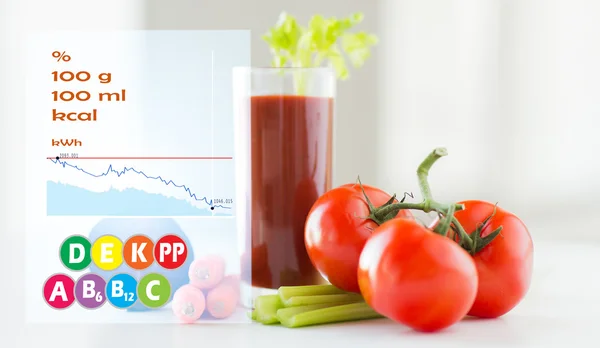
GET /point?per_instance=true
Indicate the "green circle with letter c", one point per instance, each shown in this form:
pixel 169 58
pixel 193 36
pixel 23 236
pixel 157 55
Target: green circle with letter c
pixel 154 290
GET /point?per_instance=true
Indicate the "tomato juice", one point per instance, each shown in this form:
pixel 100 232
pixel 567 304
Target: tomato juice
pixel 290 168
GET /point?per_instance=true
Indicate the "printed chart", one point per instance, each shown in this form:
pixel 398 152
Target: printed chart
pixel 129 152
pixel 140 129
pixel 134 187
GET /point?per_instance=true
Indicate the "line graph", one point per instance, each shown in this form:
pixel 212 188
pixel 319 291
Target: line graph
pixel 130 190
pixel 166 151
pixel 110 170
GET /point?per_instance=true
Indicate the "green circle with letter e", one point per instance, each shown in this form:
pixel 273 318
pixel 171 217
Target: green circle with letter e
pixel 75 253
pixel 154 290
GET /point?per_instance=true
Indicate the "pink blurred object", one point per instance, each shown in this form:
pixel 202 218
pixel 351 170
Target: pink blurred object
pixel 207 272
pixel 223 299
pixel 188 303
pixel 234 281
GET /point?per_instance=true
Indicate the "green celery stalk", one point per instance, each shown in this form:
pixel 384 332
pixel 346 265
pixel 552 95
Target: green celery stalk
pixel 289 312
pixel 323 41
pixel 266 307
pixel 335 314
pixel 318 299
pixel 287 292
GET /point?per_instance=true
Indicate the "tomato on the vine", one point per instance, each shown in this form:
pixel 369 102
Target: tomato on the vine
pixel 416 277
pixel 337 229
pixel 505 264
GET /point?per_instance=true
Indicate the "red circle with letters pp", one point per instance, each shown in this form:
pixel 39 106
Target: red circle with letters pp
pixel 170 251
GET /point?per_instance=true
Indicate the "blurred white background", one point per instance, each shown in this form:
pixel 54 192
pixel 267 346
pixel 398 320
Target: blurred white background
pixel 510 87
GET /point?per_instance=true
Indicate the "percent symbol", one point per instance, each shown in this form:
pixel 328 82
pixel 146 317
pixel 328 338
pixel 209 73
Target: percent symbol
pixel 61 56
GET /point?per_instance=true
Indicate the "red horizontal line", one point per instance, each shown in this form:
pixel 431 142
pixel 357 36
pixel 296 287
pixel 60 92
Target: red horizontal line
pixel 141 158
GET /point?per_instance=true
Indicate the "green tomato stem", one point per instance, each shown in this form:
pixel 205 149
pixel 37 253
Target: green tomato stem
pixel 428 201
pixel 465 240
pixel 423 171
pixel 423 206
pixel 335 314
pixel 388 211
pixel 445 223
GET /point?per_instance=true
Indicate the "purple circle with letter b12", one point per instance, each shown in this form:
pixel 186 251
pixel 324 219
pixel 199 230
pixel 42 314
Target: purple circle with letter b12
pixel 89 291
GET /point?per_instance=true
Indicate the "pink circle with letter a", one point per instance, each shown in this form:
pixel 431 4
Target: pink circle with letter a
pixel 59 291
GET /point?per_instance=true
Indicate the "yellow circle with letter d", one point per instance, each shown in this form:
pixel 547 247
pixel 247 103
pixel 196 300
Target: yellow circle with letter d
pixel 107 252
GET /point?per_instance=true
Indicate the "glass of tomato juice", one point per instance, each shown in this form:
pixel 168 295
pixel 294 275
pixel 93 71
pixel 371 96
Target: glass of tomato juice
pixel 283 125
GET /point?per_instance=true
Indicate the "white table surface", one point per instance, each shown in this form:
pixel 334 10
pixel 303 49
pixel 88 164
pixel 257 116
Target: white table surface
pixel 561 309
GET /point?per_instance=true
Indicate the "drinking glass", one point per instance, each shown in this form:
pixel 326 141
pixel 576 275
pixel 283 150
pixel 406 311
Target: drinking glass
pixel 283 161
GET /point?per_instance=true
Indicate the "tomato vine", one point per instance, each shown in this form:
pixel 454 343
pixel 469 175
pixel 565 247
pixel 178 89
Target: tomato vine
pixel 471 242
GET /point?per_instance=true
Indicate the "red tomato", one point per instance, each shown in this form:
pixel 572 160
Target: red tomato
pixel 505 265
pixel 416 277
pixel 336 231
